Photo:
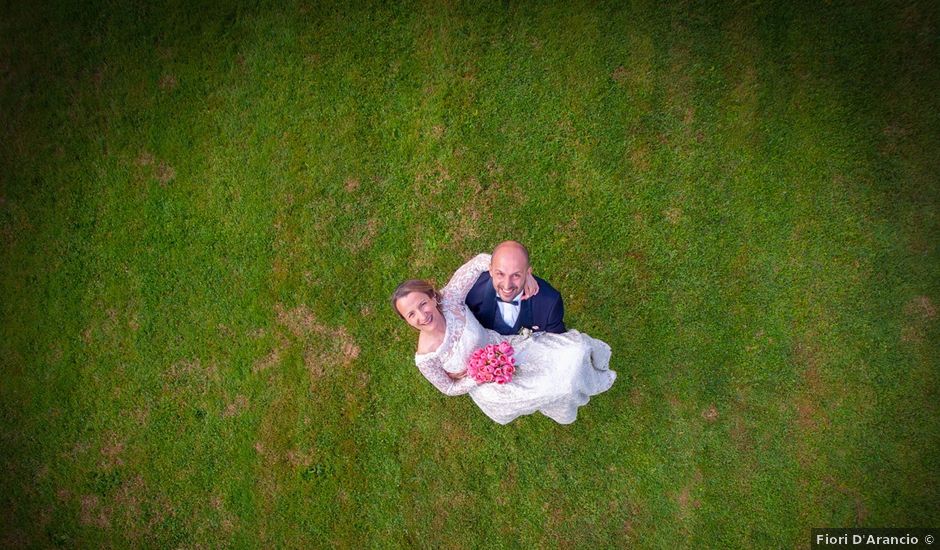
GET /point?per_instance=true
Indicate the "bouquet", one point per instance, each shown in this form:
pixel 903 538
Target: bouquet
pixel 492 363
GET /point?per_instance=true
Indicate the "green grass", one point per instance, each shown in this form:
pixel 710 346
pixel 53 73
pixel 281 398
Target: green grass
pixel 204 208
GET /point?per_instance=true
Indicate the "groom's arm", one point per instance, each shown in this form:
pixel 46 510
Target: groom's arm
pixel 556 317
pixel 552 308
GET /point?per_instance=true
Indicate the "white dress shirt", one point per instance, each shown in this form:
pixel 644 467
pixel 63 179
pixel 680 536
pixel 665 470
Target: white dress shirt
pixel 510 312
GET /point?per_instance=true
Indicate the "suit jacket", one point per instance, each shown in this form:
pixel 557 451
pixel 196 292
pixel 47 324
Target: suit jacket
pixel 545 310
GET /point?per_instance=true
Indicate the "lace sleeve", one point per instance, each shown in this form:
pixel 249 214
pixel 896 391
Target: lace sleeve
pixel 432 370
pixel 463 279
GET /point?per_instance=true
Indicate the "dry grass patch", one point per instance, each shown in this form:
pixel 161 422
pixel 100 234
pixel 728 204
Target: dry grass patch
pixel 111 450
pixel 168 83
pixel 918 241
pixel 861 512
pixel 313 60
pixel 226 519
pixel 16 224
pixel 674 403
pixel 684 498
pixel 97 77
pixel 297 458
pixel 739 435
pixel 144 159
pixel 275 448
pixel 493 168
pixel 314 363
pixel 323 347
pixel 125 507
pixel 627 528
pixel 239 405
pixel 299 321
pixel 484 198
pixel 558 519
pixel 673 215
pixel 422 257
pixel 640 262
pixel 94 513
pixel 433 181
pixel 679 83
pixel 469 75
pixel 141 415
pixel 190 372
pixel 150 167
pixel 164 173
pixel 759 339
pixel 809 416
pixel 921 307
pixel 636 397
pixel 640 157
pixel 363 235
pixel 273 358
pixel 744 96
pixel 919 313
pixel 187 379
pixel 456 437
pixel 571 227
pixel 895 134
pixel 620 74
pixel 508 484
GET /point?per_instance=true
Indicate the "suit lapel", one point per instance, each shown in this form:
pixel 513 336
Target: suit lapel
pixel 489 309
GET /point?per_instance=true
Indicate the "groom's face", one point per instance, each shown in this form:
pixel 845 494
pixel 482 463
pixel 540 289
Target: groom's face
pixel 508 270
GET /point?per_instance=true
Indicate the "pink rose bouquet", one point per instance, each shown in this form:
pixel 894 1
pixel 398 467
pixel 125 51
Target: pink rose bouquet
pixel 493 363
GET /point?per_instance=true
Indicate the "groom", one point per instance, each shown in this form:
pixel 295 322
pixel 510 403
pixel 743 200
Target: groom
pixel 496 298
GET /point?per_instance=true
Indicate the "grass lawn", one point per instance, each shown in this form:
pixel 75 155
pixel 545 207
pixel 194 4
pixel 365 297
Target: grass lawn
pixel 204 208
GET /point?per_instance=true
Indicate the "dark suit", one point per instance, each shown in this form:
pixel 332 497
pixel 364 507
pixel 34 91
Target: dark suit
pixel 545 310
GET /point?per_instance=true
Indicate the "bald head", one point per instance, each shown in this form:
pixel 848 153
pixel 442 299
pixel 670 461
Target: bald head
pixel 511 249
pixel 509 268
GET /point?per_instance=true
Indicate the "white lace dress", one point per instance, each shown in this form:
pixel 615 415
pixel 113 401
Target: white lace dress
pixel 555 373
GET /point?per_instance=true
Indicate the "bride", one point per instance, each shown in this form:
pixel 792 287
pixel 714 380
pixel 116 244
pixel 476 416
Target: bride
pixel 555 373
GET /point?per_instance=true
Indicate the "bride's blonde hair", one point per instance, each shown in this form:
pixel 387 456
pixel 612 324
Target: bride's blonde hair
pixel 414 285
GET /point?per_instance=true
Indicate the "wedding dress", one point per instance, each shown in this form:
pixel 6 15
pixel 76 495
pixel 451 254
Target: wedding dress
pixel 555 373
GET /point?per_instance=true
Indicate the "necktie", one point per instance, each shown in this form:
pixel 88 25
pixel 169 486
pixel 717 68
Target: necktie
pixel 511 302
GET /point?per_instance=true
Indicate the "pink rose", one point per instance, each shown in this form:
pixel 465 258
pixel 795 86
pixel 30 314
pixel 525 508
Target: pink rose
pixel 492 363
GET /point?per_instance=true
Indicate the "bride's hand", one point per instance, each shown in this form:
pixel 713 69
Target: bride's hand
pixel 531 287
pixel 457 375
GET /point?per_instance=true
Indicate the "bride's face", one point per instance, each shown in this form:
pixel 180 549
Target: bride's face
pixel 420 311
